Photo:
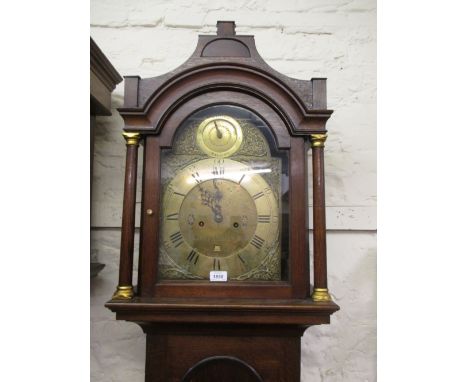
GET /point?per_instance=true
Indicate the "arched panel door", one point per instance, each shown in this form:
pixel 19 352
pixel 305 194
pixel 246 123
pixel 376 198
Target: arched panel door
pixel 233 145
pixel 222 369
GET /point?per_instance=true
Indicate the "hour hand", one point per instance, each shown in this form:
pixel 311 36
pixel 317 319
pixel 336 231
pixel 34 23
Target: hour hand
pixel 218 217
pixel 218 195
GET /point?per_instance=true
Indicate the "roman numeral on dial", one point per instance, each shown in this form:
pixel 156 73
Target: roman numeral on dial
pixel 193 257
pixel 258 195
pixel 174 216
pixel 218 168
pixel 263 218
pixel 216 264
pixel 176 239
pixel 242 261
pixel 257 242
pixel 196 176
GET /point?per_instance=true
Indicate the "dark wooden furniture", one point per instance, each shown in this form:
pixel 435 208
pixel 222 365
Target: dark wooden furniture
pixel 234 331
pixel 103 80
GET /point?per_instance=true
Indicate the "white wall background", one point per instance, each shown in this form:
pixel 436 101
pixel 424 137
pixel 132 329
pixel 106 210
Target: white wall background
pixel 302 39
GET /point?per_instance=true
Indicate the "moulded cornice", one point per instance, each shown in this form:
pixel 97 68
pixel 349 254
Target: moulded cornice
pixel 102 67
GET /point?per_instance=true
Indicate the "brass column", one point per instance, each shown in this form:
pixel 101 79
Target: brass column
pixel 125 289
pixel 320 292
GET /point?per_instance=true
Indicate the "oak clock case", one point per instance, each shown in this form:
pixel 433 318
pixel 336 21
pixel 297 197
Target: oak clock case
pixel 225 142
pixel 222 199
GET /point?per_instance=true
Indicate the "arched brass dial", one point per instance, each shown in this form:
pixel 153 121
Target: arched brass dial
pixel 219 136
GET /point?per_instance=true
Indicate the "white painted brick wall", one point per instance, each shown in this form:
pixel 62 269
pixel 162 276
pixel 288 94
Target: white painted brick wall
pixel 302 39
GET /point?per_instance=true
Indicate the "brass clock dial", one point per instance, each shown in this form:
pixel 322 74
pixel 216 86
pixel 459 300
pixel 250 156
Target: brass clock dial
pixel 219 214
pixel 219 136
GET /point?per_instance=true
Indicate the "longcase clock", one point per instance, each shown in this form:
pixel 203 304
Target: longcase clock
pixel 223 290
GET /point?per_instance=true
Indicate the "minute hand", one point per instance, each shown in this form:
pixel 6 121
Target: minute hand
pixel 217 207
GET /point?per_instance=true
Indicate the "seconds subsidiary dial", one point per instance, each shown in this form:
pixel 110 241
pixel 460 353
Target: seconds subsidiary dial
pixel 219 136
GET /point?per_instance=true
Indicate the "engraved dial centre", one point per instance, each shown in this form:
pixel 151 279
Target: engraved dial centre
pixel 218 217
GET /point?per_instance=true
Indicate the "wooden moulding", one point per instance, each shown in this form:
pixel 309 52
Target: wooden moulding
pixel 150 117
pixel 225 311
pixel 103 79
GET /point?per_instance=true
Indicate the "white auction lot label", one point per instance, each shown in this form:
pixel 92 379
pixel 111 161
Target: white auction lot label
pixel 218 276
